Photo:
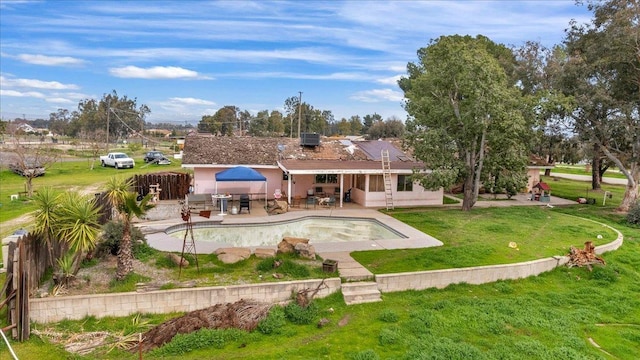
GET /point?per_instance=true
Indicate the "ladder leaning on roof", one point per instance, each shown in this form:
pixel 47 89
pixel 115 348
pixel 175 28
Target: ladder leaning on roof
pixel 386 174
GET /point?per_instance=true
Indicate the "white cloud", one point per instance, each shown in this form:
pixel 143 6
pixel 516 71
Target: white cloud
pixel 190 101
pixel 377 95
pixel 155 72
pixel 50 60
pixel 390 80
pixel 37 84
pixel 15 93
pixel 59 100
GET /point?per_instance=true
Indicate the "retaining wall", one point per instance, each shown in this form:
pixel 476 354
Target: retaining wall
pixel 54 309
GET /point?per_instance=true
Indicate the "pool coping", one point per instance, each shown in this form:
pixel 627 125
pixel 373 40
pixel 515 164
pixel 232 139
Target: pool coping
pixel 160 240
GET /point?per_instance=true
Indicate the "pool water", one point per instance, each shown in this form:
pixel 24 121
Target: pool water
pixel 316 229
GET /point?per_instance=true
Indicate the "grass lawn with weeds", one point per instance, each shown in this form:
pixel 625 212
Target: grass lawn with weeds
pixel 65 176
pixel 482 237
pixel 581 170
pixel 556 315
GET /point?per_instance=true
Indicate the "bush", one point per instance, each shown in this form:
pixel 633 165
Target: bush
pixel 300 315
pixel 287 267
pixel 389 336
pixel 274 321
pixel 388 316
pixel 112 235
pixel 633 217
pixel 366 355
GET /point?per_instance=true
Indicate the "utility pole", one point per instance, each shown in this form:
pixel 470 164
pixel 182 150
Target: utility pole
pixel 108 112
pixel 299 111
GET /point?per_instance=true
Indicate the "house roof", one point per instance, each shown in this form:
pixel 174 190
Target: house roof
pixel 332 154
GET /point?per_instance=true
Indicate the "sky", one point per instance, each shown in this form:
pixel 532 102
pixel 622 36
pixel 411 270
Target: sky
pixel 186 59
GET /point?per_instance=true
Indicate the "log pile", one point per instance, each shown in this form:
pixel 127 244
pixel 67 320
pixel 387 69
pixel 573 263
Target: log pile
pixel 584 257
pixel 244 315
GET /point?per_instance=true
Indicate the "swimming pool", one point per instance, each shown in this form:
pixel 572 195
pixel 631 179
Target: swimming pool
pixel 317 229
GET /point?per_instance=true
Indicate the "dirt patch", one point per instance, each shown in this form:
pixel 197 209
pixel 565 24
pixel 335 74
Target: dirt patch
pixel 96 279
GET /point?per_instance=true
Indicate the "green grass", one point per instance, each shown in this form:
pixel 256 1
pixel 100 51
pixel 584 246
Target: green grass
pixel 64 176
pixel 213 272
pixel 550 316
pixel 572 190
pixel 481 237
pixel 581 170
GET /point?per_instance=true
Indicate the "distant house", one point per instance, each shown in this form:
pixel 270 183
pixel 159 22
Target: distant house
pixel 330 167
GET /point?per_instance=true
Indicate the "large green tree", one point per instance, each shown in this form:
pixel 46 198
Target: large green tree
pixel 463 108
pixel 119 116
pixel 603 73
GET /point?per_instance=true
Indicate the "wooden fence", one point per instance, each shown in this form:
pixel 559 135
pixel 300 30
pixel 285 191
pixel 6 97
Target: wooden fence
pixel 173 185
pixel 26 265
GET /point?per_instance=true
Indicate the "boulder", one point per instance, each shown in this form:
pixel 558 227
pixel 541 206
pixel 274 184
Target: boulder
pixel 306 251
pixel 288 244
pixel 233 255
pixel 263 253
pixel 175 258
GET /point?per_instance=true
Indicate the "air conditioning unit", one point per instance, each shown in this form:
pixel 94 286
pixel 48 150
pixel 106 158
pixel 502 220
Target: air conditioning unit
pixel 310 139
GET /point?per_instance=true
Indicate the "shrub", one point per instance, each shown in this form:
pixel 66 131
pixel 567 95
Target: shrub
pixel 366 355
pixel 633 217
pixel 274 321
pixel 204 338
pixel 301 315
pixel 389 336
pixel 388 315
pixel 287 267
pixel 112 235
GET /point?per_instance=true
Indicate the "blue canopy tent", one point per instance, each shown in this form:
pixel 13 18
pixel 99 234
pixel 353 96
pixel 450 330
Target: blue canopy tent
pixel 242 173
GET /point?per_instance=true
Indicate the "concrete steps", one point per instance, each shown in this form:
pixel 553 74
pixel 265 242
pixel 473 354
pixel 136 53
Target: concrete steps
pixel 360 292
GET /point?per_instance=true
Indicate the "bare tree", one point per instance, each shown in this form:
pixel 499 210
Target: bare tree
pixel 31 161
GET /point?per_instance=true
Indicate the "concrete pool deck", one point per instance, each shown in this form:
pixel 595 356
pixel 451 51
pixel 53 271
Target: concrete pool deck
pixel 348 268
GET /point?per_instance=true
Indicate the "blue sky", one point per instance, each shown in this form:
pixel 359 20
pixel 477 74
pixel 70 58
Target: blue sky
pixel 185 59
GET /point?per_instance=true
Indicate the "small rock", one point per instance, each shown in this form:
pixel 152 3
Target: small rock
pixel 323 322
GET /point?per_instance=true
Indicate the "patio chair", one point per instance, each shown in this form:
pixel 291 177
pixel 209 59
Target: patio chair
pixel 245 203
pixel 311 200
pixel 295 202
pixel 332 201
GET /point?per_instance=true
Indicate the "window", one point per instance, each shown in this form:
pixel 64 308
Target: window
pixel 327 179
pixel 405 183
pixel 376 183
pixel 360 181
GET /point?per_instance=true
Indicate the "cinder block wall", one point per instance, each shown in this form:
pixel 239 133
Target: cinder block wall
pixel 122 304
pixel 471 275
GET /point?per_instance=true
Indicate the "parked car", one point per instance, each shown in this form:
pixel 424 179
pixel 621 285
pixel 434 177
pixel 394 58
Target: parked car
pixel 30 169
pixel 157 157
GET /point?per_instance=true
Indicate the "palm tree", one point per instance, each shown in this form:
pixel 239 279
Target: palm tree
pixel 124 202
pixel 48 202
pixel 130 208
pixel 77 224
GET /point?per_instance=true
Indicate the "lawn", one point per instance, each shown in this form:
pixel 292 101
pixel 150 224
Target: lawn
pixel 482 237
pixel 65 176
pixel 581 170
pixel 550 316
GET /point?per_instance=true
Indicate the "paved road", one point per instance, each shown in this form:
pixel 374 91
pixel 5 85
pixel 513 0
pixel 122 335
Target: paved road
pixel 606 180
